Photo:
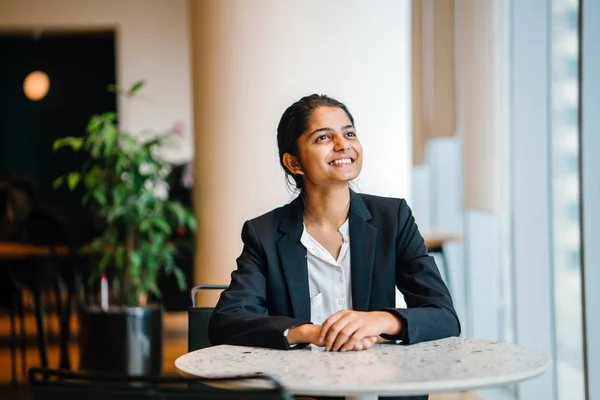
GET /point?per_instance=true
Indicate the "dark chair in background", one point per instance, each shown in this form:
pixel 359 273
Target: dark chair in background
pixel 11 299
pixel 17 198
pixel 23 220
pixel 198 318
pixel 47 384
pixel 56 274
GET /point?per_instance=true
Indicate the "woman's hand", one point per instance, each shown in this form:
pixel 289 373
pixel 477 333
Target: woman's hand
pixel 307 333
pixel 364 344
pixel 346 329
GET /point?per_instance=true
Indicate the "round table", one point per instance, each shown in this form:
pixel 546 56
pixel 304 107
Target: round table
pixel 448 365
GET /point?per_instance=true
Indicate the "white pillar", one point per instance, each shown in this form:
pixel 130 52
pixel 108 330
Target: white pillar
pixel 251 61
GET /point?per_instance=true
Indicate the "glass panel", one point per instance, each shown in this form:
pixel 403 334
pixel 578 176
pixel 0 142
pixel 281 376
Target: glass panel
pixel 565 200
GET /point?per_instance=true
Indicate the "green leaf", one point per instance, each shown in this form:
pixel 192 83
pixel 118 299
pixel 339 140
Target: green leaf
pixel 109 116
pixel 58 181
pixel 135 264
pixel 74 143
pixel 136 86
pixel 152 265
pixel 178 210
pixel 145 225
pixel 112 88
pixel 180 277
pixel 100 197
pixel 120 196
pixel 96 147
pixel 110 133
pixel 73 180
pixel 162 225
pixel 169 262
pixel 94 178
pixel 97 245
pixel 94 124
pixel 190 221
pixel 120 257
pixel 114 213
pixel 154 289
pixel 106 256
pixel 158 239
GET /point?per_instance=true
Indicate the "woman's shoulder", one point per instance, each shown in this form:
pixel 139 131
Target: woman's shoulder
pixel 273 215
pixel 377 202
pixel 270 220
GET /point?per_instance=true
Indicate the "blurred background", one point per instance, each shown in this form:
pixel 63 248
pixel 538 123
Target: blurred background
pixel 481 113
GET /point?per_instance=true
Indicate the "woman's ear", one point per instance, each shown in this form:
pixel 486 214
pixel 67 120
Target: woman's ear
pixel 292 164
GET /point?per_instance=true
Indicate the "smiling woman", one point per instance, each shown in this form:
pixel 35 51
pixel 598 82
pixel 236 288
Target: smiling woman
pixel 323 269
pixel 329 152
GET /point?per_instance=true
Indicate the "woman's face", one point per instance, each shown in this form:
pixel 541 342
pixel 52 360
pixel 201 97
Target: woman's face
pixel 329 150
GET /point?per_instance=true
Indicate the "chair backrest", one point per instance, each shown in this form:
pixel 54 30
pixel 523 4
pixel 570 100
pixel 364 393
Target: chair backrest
pixel 50 384
pixel 198 318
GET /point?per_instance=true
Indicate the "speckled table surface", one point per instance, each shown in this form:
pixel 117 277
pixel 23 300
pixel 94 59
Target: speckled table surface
pixel 447 365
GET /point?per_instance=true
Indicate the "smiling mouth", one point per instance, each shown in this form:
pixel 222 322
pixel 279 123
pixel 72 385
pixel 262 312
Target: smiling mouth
pixel 342 161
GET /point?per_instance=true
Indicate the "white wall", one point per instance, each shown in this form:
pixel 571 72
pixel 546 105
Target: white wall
pixel 251 61
pixel 152 42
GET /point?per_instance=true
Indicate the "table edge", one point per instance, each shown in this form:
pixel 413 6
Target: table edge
pixel 415 388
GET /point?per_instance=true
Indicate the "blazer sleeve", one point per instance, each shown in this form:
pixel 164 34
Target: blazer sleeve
pixel 430 314
pixel 241 315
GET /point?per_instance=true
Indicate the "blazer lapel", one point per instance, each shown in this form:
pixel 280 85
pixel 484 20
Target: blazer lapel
pixel 363 241
pixel 292 256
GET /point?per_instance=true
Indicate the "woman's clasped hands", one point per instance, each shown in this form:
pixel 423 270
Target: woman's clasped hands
pixel 347 330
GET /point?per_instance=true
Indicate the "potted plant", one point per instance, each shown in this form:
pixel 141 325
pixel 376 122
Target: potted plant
pixel 124 184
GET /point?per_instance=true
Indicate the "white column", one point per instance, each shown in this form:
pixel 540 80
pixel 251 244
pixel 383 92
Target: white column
pixel 253 59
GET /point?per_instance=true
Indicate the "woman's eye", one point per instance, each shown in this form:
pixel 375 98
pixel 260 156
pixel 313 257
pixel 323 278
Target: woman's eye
pixel 351 134
pixel 322 137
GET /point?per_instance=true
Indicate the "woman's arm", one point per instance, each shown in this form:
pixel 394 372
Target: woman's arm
pixel 241 316
pixel 430 314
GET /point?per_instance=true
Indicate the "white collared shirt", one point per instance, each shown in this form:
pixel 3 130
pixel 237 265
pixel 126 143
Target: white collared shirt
pixel 329 280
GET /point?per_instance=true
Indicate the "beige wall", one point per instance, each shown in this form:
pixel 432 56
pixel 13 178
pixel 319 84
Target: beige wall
pixel 152 43
pixel 252 59
pixel 480 63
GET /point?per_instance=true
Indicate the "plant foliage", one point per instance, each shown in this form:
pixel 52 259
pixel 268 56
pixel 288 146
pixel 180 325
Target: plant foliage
pixel 124 182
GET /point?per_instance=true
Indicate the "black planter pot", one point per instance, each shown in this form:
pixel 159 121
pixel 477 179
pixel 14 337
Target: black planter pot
pixel 121 340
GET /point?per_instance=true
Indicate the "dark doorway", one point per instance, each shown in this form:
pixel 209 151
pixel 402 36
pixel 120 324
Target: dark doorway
pixel 80 66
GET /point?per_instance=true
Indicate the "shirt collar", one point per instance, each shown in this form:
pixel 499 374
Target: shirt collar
pixel 344 229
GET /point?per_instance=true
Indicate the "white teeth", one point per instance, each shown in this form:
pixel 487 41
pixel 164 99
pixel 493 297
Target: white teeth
pixel 341 161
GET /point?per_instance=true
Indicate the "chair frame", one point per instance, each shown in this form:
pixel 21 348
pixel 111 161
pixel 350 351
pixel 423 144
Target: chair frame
pixel 50 377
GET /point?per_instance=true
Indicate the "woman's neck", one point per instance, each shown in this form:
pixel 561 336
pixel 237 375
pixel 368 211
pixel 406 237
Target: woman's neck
pixel 326 206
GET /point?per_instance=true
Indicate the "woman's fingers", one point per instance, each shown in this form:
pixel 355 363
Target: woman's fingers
pixel 329 322
pixel 363 344
pixel 344 335
pixel 358 336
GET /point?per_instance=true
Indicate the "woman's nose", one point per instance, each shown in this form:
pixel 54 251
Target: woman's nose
pixel 341 144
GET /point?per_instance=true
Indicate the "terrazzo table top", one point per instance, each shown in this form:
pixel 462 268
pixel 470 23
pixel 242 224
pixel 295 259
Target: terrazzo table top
pixel 447 365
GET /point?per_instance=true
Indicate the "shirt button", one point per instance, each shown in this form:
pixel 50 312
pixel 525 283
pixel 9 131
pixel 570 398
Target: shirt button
pixel 341 302
pixel 338 269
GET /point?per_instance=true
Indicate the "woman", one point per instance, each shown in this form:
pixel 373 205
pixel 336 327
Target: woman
pixel 322 270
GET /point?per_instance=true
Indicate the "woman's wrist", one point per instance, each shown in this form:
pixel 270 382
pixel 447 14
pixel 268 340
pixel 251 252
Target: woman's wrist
pixel 392 325
pixel 300 334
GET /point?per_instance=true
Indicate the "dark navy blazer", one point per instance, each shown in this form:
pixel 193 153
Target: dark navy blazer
pixel 269 290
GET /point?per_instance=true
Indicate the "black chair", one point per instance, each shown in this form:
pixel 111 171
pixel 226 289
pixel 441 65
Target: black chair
pixel 16 201
pixel 42 275
pixel 49 384
pixel 198 318
pixel 11 298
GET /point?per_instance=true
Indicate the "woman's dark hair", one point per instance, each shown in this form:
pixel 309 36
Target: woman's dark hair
pixel 294 122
